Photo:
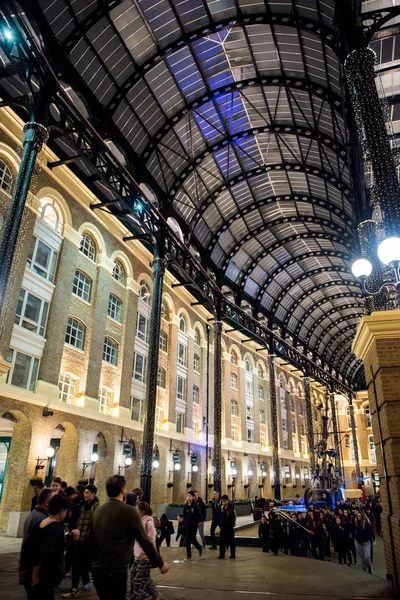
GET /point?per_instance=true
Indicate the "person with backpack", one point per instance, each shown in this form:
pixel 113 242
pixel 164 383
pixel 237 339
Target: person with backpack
pixel 166 528
pixel 181 533
pixel 228 522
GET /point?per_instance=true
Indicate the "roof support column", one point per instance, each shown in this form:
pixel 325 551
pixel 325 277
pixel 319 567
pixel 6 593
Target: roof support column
pixel 310 426
pixel 274 427
pixel 217 330
pixel 355 441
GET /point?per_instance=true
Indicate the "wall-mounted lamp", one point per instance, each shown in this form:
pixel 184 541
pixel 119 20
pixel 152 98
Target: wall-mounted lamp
pixel 128 462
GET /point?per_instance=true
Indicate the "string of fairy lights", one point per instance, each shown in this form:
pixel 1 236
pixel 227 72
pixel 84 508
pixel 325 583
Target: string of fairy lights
pixel 309 424
pixel 274 421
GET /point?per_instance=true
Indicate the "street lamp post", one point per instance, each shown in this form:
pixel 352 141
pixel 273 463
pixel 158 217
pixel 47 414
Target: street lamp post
pixel 389 254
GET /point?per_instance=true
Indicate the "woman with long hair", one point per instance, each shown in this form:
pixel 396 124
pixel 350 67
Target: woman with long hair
pixel 142 585
pixel 363 534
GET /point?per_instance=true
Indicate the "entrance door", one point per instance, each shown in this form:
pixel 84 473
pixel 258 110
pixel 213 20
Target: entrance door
pixel 5 443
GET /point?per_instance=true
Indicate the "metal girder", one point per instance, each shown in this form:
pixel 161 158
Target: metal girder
pixel 318 288
pixel 305 276
pixel 254 206
pixel 327 314
pixel 336 355
pixel 286 19
pixel 292 261
pixel 304 85
pixel 353 370
pixel 316 235
pixel 347 361
pixel 379 18
pixel 331 326
pixel 82 27
pixel 196 161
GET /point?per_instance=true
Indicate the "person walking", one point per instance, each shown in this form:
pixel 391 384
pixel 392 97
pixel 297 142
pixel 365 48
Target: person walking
pixel 363 534
pixel 202 509
pixel 216 518
pixel 166 529
pixel 263 533
pixel 274 533
pixel 341 542
pixel 181 532
pixel 42 553
pixel 227 534
pixel 317 535
pixel 191 520
pixel 141 584
pixel 81 553
pixel 115 527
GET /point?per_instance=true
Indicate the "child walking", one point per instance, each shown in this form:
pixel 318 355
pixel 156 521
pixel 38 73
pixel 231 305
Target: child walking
pixel 142 586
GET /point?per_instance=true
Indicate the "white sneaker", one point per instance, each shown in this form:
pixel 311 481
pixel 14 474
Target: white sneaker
pixel 187 559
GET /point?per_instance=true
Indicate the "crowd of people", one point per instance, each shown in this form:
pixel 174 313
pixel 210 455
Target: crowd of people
pixel 349 530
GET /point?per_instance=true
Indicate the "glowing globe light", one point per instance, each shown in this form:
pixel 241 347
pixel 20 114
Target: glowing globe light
pixel 128 461
pixel 155 464
pixel 195 468
pixel 389 251
pixel 95 457
pixel 250 473
pixel 177 466
pixel 234 472
pixel 50 452
pixel 361 268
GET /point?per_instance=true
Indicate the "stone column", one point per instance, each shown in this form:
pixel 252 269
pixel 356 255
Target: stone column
pixel 35 135
pixel 309 424
pixel 355 440
pixel 336 439
pixel 151 388
pixel 217 405
pixel 274 428
pixel 377 343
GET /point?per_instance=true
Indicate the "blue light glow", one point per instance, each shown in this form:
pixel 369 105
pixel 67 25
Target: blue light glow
pixel 8 35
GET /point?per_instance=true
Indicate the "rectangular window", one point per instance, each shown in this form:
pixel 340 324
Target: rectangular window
pixel 368 420
pixel 301 410
pixel 260 392
pixel 196 363
pixel 114 308
pixel 42 259
pixel 75 334
pixel 249 388
pixel 139 367
pixel 293 426
pixel 233 381
pixel 249 413
pixel 163 346
pixel 181 388
pixel 234 432
pixel 196 426
pixel 180 422
pixel 136 409
pixel 141 327
pixel 159 417
pixel 162 378
pixel 234 408
pixel 352 454
pixel 106 400
pixel 372 451
pixel 250 435
pixel 24 370
pixel 196 395
pixel 82 286
pixel 262 437
pixel 291 405
pixel 262 417
pixel 285 444
pixel 303 446
pixel 68 387
pixel 31 313
pixel 294 443
pixel 302 429
pixel 182 354
pixel 284 425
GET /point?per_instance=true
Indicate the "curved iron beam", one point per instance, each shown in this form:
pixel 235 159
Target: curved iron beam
pixel 297 83
pixel 380 17
pixel 336 355
pixel 326 34
pixel 318 306
pixel 347 361
pixel 353 370
pixel 319 339
pixel 318 288
pixel 328 314
pixel 254 206
pixel 100 11
pixel 196 161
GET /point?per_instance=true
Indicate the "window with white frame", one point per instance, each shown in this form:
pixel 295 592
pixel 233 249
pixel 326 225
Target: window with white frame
pixel 233 381
pixel 234 408
pixel 247 365
pixel 144 293
pixel 233 358
pixel 368 420
pixel 159 417
pixel 6 177
pixel 284 424
pixel 162 378
pixel 88 247
pixel 262 437
pixel 42 259
pixel 182 354
pixel 180 422
pixel 181 388
pixel 262 417
pixel 352 454
pixel 68 385
pixel 31 313
pixel 110 351
pixel 141 327
pixel 75 335
pixel 50 214
pixel 114 310
pixel 249 388
pixel 82 286
pixel 163 345
pixel 303 445
pixel 196 394
pixel 24 370
pixel 139 367
pixel 260 392
pixel 136 409
pixel 196 363
pixel 197 338
pixel 234 432
pixel 294 442
pixel 250 435
pixel 164 311
pixel 348 416
pixel 106 397
pixel 119 273
pixel 182 323
pixel 260 372
pixel 249 413
pixel 372 451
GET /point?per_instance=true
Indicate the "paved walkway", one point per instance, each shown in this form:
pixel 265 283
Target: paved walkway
pixel 253 575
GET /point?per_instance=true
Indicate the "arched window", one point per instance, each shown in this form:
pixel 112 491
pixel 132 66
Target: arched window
pixel 144 293
pixel 163 341
pixel 75 335
pixel 260 392
pixel 182 323
pixel 110 351
pixel 348 416
pixel 162 378
pixel 233 358
pixel 6 177
pixel 291 388
pixel 281 383
pixel 82 286
pixel 119 272
pixel 88 247
pixel 114 308
pixel 50 214
pixel 300 391
pixel 260 372
pixel 197 338
pixel 247 365
pixel 68 387
pixel 164 311
pixel 368 420
pixel 234 408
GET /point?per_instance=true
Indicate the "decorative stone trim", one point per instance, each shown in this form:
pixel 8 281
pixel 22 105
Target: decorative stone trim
pixel 5 366
pixel 380 325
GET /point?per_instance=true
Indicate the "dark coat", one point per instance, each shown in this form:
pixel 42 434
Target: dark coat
pixel 263 532
pixel 202 509
pixel 228 517
pixel 340 538
pixel 216 511
pixel 85 519
pixel 191 515
pixel 363 534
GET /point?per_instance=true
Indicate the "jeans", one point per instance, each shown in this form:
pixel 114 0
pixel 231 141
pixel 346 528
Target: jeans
pixel 317 543
pixel 364 553
pixel 110 585
pixel 212 533
pixel 201 534
pixel 227 539
pixel 164 536
pixel 191 531
pixel 80 565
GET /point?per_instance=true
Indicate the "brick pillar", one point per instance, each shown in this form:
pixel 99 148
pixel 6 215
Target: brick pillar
pixel 377 343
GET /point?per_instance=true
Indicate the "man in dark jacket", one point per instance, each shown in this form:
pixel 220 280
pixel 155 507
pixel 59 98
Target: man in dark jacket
pixel 228 522
pixel 37 486
pixel 39 513
pixel 216 518
pixel 81 556
pixel 181 532
pixel 202 509
pixel 191 520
